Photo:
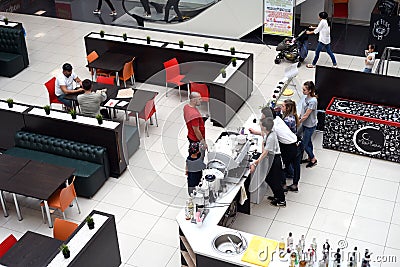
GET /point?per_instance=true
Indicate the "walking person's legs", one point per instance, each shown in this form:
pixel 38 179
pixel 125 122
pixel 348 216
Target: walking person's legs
pixel 146 6
pixel 330 53
pixel 317 52
pixel 308 146
pixel 167 8
pixel 176 9
pixel 99 4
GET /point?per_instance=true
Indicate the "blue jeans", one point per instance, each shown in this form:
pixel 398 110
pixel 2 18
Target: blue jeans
pixel 308 146
pixel 328 50
pixel 66 102
pixel 367 70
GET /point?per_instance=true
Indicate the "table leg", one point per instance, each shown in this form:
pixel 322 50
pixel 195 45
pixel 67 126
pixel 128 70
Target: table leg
pixel 46 207
pixel 137 123
pixel 117 78
pixel 3 204
pixel 17 207
pixel 94 74
pixel 114 113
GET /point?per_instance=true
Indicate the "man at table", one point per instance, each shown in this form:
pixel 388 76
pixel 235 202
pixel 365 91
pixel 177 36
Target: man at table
pixel 89 101
pixel 194 120
pixel 65 85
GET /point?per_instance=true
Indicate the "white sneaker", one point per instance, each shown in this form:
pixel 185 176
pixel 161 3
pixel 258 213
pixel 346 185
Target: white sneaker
pixel 97 12
pixel 146 15
pixel 113 13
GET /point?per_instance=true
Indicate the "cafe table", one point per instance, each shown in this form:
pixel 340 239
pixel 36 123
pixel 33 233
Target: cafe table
pixel 110 61
pixel 31 250
pixel 32 179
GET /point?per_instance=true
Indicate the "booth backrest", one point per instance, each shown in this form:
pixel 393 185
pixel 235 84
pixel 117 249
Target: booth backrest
pixel 62 147
pixel 12 40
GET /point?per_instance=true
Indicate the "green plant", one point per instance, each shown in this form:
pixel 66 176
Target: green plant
pixel 148 39
pixel 5 21
pixel 73 113
pixel 65 251
pixel 124 36
pixel 99 118
pixel 47 109
pixel 233 60
pixel 89 219
pixel 181 43
pixel 206 46
pixel 102 33
pixel 90 222
pixel 223 72
pixel 10 102
pixel 232 49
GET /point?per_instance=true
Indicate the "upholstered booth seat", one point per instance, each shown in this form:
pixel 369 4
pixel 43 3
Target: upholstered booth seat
pixel 13 51
pixel 90 162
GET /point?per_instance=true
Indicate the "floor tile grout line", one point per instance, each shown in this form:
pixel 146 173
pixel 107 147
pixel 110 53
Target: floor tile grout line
pixel 358 199
pixel 391 218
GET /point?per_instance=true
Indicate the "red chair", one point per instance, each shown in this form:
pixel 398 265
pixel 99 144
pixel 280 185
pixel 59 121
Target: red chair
pixel 173 75
pixel 105 80
pixel 340 9
pixel 202 89
pixel 51 89
pixel 147 113
pixel 7 244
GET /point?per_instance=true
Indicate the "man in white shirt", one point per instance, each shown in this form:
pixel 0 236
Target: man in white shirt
pixel 65 84
pixel 324 39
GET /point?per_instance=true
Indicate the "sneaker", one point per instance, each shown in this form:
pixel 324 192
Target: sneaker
pixel 293 188
pixel 335 66
pixel 305 161
pixel 311 164
pixel 113 13
pixel 97 12
pixel 277 203
pixel 147 15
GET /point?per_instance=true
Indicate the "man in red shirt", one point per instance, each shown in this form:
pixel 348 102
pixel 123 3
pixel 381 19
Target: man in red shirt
pixel 194 120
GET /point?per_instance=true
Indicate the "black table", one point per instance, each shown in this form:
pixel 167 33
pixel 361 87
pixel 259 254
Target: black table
pixel 33 179
pixel 31 250
pixel 110 61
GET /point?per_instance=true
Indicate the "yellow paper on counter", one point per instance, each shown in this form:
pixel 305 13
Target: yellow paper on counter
pixel 256 245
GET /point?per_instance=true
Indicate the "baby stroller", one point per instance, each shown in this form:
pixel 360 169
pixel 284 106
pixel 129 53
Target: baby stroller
pixel 293 49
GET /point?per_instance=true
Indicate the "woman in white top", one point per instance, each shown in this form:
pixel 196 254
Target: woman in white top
pixel 324 39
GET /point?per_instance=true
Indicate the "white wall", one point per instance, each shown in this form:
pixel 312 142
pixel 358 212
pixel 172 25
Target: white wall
pixel 227 18
pixel 361 9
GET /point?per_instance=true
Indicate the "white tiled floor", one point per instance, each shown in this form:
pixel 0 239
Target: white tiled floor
pixel 345 196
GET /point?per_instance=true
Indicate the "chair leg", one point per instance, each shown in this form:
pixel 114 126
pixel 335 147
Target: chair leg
pixel 155 115
pixel 147 128
pixel 180 96
pixel 208 107
pixel 77 205
pixel 63 213
pixel 166 89
pixel 188 87
pixel 125 83
pixel 41 208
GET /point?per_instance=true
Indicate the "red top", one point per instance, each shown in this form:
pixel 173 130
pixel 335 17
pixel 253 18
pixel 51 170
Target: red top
pixel 193 118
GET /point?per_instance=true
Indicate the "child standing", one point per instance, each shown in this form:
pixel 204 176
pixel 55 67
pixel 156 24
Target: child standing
pixel 370 58
pixel 194 165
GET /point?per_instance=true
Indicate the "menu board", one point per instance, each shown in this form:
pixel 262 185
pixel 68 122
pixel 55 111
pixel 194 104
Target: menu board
pixel 278 17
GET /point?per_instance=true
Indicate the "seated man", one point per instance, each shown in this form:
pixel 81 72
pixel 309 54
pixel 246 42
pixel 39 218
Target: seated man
pixel 89 102
pixel 65 85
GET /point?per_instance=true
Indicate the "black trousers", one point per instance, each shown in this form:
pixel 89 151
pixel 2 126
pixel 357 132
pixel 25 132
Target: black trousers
pixel 289 158
pixel 172 3
pixel 100 3
pixel 274 178
pixel 146 6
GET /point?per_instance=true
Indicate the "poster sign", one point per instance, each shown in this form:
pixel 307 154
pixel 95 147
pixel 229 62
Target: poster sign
pixel 278 17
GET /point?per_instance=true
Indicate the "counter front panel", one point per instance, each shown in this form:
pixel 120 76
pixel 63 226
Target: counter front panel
pixel 363 128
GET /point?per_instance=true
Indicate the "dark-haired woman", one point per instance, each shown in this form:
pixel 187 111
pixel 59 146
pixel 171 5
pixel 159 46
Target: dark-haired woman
pixel 324 39
pixel 308 120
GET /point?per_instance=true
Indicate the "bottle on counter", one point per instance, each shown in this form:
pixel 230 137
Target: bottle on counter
pixel 293 257
pixel 355 256
pixel 282 245
pixel 189 209
pixel 350 262
pixel 289 243
pixel 314 248
pixel 338 257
